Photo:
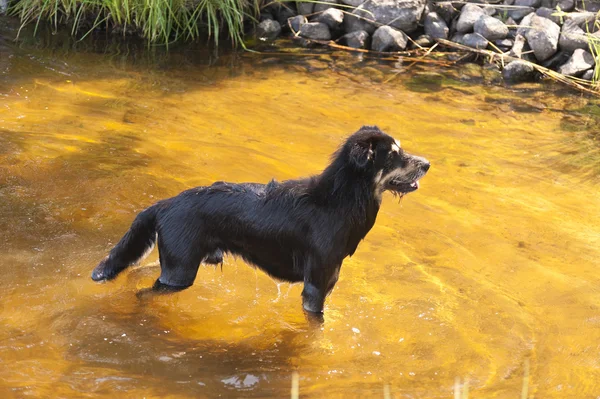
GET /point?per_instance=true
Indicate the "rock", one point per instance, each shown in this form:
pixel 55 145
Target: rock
pixel 579 62
pixel 332 17
pixel 518 71
pixel 566 5
pixel 305 8
pixel 285 12
pixel 315 31
pixel 475 40
pixel 268 30
pixel 320 7
pixel 457 37
pixel 572 37
pixel 399 14
pixel 446 10
pixel 296 22
pixel 511 25
pixel 525 24
pixel 353 3
pixel 435 26
pixel 356 39
pixel 490 28
pixel 527 3
pixel 424 41
pixel 548 13
pixel 468 16
pixel 489 10
pixel 588 75
pixel 548 3
pixel 585 20
pixel 386 38
pixel 518 46
pixel 556 60
pixel 519 12
pixel 504 44
pixel 542 37
pixel 588 5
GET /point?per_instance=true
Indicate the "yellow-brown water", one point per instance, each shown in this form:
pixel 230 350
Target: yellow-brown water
pixel 491 265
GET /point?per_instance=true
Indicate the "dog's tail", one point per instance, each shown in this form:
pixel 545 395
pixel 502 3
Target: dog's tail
pixel 133 247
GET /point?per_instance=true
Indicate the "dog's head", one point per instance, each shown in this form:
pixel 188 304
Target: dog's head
pixel 382 159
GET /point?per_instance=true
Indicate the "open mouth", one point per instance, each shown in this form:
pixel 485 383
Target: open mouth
pixel 403 187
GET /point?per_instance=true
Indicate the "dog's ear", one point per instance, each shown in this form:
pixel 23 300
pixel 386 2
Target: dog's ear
pixel 361 153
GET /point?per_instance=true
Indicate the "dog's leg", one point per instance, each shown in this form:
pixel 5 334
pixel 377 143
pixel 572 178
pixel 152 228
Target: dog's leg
pixel 214 258
pixel 315 287
pixel 134 246
pixel 333 280
pixel 178 267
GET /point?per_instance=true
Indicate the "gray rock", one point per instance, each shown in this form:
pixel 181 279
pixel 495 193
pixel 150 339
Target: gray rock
pixel 542 37
pixel 558 59
pixel 435 26
pixel 572 37
pixel 525 24
pixel 332 17
pixel 356 39
pixel 320 7
pixel 386 38
pixel 490 28
pixel 548 13
pixel 315 31
pixel 519 13
pixel 504 44
pixel 468 16
pixel 305 8
pixel 588 75
pixel 446 10
pixel 457 37
pixel 285 12
pixel 353 3
pixel 475 40
pixel 588 5
pixel 488 10
pixel 296 22
pixel 585 20
pixel 566 5
pixel 579 62
pixel 268 30
pixel 423 41
pixel 400 14
pixel 548 3
pixel 518 71
pixel 527 3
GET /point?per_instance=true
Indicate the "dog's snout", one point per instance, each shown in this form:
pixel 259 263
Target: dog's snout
pixel 425 166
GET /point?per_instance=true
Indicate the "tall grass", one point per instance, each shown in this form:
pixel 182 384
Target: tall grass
pixel 159 21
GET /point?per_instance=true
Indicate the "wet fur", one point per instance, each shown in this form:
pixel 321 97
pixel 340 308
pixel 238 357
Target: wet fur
pixel 296 230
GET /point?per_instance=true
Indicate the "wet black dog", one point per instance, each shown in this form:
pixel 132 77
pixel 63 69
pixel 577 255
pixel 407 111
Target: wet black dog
pixel 296 230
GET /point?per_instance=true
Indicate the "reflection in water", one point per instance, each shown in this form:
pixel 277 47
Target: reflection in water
pixel 492 262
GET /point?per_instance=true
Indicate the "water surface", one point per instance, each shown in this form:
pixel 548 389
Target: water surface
pixel 491 265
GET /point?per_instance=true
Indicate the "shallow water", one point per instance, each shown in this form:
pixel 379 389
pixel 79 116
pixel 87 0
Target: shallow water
pixel 489 269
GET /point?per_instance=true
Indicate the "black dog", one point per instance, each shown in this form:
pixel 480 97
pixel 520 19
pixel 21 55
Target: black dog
pixel 296 230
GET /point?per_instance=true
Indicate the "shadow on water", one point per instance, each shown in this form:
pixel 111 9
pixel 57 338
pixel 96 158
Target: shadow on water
pixel 120 351
pixel 42 200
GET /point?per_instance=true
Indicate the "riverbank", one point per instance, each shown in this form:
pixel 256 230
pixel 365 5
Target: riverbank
pixel 528 39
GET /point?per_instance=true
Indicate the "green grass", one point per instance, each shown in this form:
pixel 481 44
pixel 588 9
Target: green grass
pixel 159 21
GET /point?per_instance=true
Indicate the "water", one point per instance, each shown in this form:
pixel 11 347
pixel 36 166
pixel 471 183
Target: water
pixel 490 265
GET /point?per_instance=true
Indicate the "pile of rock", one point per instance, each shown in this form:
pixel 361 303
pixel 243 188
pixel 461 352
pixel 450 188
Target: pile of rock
pixel 552 33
